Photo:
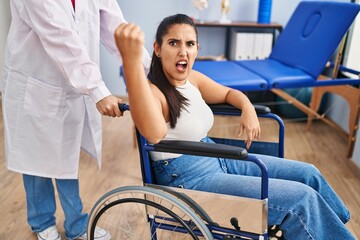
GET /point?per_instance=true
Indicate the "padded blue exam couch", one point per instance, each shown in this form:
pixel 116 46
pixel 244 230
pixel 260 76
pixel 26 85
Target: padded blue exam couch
pixel 299 55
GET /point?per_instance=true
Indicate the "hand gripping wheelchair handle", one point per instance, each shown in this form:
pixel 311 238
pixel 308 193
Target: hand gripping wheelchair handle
pixel 124 107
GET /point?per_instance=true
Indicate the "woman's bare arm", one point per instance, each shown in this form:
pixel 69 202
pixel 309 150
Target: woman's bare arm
pixel 146 107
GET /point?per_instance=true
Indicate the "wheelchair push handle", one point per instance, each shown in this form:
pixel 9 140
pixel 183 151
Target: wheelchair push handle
pixel 124 107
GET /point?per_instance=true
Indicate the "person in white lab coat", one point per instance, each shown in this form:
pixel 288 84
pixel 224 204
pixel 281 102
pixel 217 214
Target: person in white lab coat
pixel 52 95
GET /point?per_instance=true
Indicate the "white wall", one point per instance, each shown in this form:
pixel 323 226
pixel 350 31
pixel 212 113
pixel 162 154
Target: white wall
pixel 5 19
pixel 352 57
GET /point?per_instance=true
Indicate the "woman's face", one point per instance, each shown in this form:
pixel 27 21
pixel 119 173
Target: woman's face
pixel 178 52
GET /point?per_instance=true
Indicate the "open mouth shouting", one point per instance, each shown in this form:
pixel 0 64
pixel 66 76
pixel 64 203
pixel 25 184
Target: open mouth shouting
pixel 181 65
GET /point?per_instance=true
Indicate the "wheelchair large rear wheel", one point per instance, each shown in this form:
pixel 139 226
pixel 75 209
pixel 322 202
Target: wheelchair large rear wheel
pixel 137 212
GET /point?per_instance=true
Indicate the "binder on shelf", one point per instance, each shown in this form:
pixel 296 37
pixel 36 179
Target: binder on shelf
pixel 258 46
pixel 267 44
pixel 251 45
pixel 240 51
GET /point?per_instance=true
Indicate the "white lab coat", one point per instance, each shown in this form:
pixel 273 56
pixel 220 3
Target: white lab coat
pixel 52 82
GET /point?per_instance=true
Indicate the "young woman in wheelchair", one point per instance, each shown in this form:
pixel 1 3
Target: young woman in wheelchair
pixel 172 104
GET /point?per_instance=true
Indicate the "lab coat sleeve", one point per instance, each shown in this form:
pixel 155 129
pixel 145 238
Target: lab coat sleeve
pixel 111 17
pixel 51 21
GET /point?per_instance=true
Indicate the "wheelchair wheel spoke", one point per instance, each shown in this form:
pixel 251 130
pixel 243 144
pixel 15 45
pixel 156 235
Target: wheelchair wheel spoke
pixel 143 216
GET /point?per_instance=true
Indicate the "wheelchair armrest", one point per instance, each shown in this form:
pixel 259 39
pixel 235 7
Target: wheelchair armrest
pixel 201 149
pixel 227 108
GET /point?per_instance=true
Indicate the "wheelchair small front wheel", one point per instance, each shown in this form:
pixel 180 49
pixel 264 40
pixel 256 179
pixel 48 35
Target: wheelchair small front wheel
pixel 137 212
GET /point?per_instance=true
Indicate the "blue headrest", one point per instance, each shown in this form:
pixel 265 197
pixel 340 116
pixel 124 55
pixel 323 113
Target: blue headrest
pixel 313 33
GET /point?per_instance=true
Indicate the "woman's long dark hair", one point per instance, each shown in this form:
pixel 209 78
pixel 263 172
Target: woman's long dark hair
pixel 174 98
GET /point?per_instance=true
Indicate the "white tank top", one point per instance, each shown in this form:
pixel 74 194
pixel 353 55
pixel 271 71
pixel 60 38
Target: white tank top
pixel 193 124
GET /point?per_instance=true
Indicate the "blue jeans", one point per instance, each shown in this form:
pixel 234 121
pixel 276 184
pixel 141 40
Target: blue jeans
pixel 41 205
pixel 301 202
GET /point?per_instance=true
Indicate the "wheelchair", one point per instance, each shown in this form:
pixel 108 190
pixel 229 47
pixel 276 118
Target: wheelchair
pixel 160 212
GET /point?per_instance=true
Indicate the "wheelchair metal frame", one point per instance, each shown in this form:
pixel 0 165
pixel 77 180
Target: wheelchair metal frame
pixel 193 219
